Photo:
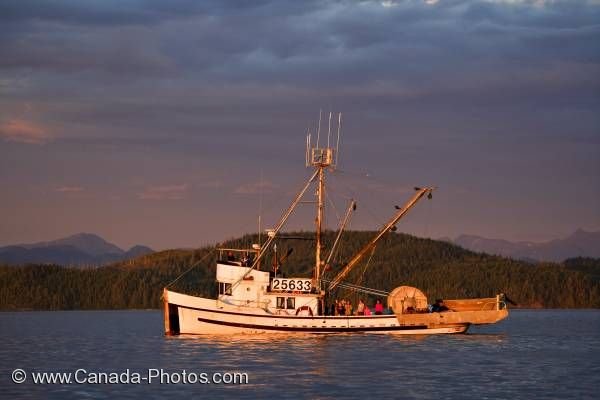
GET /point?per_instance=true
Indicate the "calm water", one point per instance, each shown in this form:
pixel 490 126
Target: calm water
pixel 533 354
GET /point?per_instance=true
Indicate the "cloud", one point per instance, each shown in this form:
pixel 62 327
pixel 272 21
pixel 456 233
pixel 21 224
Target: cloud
pixel 256 187
pixel 191 69
pixel 168 192
pixel 69 189
pixel 19 130
pixel 98 13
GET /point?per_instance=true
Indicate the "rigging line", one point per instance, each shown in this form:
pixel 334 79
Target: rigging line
pixel 275 203
pixel 332 188
pixel 362 275
pixel 275 198
pixel 354 190
pixel 354 173
pixel 377 219
pixel 334 178
pixel 365 289
pixel 366 266
pixel 280 224
pixel 364 175
pixel 428 212
pixel 341 227
pixel 332 205
pixel 369 179
pixel 338 254
pixel 247 223
pixel 278 200
pixel 349 188
pixel 193 266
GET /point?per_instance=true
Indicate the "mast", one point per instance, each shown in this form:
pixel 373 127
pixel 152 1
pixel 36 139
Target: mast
pixel 319 222
pixel 321 158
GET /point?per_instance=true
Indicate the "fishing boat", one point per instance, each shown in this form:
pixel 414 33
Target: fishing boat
pixel 256 300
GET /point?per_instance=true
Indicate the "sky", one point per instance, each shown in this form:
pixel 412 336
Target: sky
pixel 175 124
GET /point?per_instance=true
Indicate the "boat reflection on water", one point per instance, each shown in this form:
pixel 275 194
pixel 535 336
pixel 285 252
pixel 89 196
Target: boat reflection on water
pixel 310 342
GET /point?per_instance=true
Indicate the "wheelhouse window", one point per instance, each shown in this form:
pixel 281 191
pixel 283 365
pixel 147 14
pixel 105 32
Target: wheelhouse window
pixel 286 303
pixel 281 302
pixel 291 303
pixel 225 288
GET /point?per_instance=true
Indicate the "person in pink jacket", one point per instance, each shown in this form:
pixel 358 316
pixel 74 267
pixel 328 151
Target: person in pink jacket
pixel 378 308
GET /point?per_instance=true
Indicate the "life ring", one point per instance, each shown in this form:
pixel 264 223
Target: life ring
pixel 304 308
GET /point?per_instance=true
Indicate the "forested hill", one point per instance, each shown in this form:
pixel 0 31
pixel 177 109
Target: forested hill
pixel 440 269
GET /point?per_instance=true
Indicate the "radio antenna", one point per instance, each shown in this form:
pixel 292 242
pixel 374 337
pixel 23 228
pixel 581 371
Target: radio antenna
pixel 307 147
pixel 337 145
pixel 319 129
pixel 329 130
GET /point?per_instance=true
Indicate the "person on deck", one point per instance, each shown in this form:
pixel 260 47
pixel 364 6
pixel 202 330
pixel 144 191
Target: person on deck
pixel 348 308
pixel 439 306
pixel 378 307
pixel 360 309
pixel 367 310
pixel 341 308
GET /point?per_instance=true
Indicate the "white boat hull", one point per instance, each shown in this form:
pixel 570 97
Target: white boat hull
pixel 200 316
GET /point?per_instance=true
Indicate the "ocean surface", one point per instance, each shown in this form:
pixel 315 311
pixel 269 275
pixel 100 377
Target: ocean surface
pixel 547 354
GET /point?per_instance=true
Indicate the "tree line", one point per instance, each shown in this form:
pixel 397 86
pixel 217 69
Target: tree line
pixel 439 269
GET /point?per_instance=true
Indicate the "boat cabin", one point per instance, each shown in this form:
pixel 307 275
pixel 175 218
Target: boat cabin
pixel 247 288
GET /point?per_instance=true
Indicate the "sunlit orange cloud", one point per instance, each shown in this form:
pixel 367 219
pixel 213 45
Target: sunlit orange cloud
pixel 18 130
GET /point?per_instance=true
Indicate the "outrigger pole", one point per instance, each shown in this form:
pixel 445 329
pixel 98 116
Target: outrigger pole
pixel 386 228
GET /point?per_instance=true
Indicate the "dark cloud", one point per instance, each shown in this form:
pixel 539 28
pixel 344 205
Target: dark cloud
pixel 97 12
pixel 324 45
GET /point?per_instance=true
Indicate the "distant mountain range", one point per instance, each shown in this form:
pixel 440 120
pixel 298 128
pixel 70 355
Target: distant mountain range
pixel 580 244
pixel 89 250
pixel 82 249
